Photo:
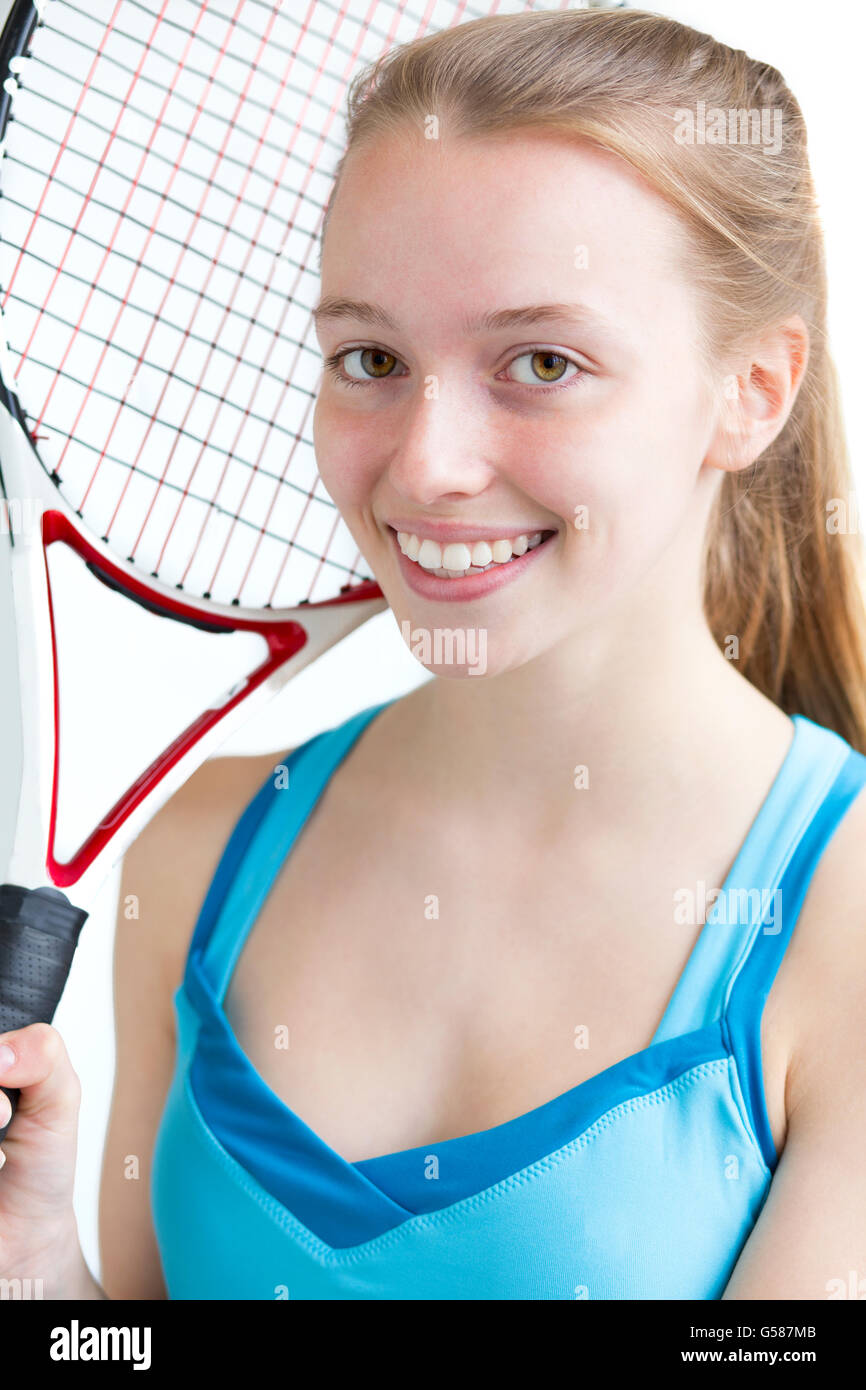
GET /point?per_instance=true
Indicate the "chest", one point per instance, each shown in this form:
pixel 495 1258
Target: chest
pixel 392 1000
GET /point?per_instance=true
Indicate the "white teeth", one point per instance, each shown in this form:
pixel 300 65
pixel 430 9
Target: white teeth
pixel 430 555
pixel 457 559
pixel 481 554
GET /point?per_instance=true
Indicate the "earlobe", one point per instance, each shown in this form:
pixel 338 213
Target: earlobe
pixel 733 446
pixel 757 401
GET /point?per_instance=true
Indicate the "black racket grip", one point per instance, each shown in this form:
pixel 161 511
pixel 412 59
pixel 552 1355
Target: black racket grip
pixel 39 930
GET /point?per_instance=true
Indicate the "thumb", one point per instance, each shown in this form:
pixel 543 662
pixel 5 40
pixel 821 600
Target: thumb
pixel 35 1061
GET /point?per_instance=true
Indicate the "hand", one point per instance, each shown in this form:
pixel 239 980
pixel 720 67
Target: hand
pixel 38 1234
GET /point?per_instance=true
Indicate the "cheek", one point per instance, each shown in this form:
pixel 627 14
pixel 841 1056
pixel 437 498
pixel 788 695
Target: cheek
pixel 550 462
pixel 622 475
pixel 587 467
pixel 348 454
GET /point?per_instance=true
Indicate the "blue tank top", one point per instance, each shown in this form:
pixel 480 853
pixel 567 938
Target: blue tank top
pixel 642 1182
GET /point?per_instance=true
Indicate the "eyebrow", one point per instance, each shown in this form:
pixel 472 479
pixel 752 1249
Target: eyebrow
pixel 334 307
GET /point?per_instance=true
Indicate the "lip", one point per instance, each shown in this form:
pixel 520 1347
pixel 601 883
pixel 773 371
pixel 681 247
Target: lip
pixel 445 531
pixel 471 586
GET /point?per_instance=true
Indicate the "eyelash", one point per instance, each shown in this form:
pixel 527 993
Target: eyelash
pixel 332 364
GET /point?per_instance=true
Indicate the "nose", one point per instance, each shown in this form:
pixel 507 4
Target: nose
pixel 439 453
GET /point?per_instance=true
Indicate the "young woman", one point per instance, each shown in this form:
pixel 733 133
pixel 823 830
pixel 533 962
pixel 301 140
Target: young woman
pixel 545 981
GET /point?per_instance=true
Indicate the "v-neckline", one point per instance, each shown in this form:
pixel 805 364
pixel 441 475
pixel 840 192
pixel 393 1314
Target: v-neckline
pixel 590 1084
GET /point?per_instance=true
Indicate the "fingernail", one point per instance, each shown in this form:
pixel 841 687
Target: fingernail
pixel 7 1057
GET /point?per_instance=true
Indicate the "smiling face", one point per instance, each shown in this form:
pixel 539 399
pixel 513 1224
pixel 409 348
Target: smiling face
pixel 512 353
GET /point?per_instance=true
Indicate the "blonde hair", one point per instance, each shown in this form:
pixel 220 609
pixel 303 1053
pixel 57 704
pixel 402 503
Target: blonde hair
pixel 772 573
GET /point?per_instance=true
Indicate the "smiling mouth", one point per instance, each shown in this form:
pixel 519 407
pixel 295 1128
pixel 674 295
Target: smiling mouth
pixel 458 559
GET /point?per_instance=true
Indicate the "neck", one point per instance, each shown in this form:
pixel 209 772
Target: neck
pixel 652 711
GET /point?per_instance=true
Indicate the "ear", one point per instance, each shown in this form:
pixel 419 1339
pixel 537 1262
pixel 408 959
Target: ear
pixel 758 398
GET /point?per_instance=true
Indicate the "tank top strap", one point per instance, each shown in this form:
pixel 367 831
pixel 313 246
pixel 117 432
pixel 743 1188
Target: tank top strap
pixel 258 846
pixel 747 930
pixel 756 968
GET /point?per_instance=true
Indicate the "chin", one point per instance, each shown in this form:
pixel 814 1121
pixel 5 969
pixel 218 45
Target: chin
pixel 459 653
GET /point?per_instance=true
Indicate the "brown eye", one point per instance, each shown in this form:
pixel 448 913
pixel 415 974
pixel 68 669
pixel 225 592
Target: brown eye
pixel 542 367
pixel 548 366
pixel 375 362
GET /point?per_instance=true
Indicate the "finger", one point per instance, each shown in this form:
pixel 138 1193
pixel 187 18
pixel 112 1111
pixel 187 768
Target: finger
pixel 35 1061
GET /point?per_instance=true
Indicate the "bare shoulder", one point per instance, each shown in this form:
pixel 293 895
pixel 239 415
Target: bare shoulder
pixel 170 865
pixel 825 971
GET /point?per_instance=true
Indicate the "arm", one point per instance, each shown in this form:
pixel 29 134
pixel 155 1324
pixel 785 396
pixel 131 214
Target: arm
pixel 167 870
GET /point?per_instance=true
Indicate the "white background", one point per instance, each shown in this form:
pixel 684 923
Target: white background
pixel 818 52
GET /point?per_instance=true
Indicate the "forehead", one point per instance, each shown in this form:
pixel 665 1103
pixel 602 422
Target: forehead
pixel 423 227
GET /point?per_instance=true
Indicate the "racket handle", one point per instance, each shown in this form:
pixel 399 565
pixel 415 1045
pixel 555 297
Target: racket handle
pixel 39 930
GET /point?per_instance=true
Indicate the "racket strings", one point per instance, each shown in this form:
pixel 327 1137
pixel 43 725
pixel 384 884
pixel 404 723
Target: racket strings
pixel 196 389
pixel 205 148
pixel 194 214
pixel 252 103
pixel 125 351
pixel 175 400
pixel 238 358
